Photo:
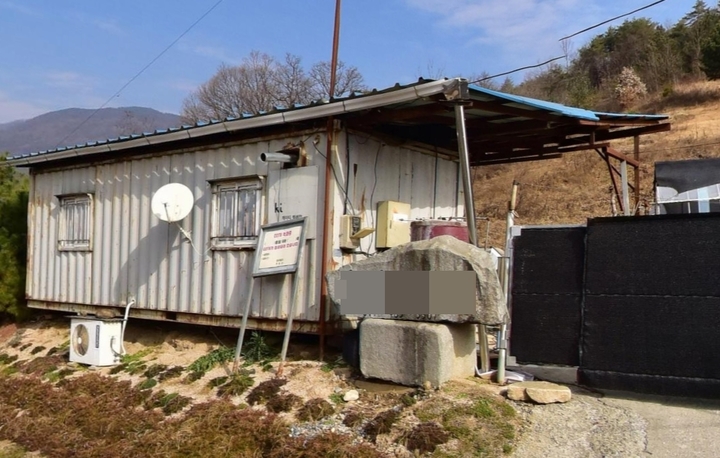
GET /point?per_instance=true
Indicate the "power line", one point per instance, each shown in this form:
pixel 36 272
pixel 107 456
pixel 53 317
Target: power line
pixel 116 94
pixel 565 38
pixel 610 20
pixel 518 69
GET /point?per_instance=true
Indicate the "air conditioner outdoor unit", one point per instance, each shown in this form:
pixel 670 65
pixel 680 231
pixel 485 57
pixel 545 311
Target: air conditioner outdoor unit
pixel 95 342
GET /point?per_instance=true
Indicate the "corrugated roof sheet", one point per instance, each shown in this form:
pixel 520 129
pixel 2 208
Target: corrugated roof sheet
pixel 476 92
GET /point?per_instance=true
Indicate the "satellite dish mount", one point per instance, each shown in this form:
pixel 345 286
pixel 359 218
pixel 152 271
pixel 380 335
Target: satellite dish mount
pixel 172 203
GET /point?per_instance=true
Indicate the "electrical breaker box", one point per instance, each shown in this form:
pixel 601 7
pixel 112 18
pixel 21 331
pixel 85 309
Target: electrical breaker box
pixel 393 224
pixel 349 226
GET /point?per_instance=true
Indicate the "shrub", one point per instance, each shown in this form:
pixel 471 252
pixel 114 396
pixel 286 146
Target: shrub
pixel 265 391
pixel 13 242
pixel 381 424
pixel 315 409
pixel 283 403
pixel 425 437
pixel 629 88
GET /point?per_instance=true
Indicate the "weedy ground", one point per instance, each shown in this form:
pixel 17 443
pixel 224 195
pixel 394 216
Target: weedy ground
pixel 175 395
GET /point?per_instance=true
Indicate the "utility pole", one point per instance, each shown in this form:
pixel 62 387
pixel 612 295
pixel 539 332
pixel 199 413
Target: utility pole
pixel 335 45
pixel 328 227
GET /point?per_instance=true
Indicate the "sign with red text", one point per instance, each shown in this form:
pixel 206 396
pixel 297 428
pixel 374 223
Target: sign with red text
pixel 279 247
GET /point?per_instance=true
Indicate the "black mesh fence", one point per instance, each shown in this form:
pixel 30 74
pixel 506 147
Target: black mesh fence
pixel 633 302
pixel 546 295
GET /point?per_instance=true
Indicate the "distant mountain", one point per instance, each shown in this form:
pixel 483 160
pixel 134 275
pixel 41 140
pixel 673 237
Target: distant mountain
pixel 55 129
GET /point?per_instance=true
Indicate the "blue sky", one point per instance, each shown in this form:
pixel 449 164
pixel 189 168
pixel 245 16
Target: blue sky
pixel 59 53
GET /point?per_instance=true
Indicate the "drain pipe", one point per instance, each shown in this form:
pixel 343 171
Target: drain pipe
pixel 502 337
pixel 124 325
pixel 122 333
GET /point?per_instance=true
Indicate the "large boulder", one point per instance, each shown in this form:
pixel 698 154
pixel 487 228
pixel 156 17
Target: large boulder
pixel 443 253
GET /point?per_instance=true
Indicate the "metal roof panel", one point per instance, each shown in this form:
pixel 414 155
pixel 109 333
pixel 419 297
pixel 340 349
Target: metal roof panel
pixel 422 88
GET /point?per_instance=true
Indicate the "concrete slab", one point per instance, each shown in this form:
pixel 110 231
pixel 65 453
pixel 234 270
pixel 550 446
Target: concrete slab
pixel 411 353
pixel 556 374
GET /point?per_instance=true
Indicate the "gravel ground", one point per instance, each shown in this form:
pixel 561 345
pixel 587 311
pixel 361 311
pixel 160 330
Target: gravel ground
pixel 585 427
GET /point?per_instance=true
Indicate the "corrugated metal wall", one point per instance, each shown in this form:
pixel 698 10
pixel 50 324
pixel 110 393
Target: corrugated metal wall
pixel 384 172
pixel 135 255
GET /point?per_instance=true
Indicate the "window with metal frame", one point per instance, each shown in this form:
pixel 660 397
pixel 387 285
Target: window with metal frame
pixel 236 213
pixel 75 222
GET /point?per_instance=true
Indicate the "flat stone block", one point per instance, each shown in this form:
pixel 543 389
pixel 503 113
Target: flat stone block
pixel 539 392
pixel 411 353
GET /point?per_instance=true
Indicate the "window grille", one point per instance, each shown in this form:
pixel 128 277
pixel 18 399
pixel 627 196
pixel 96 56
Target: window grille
pixel 236 213
pixel 75 223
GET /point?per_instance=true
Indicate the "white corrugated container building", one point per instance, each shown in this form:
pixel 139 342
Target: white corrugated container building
pixel 94 244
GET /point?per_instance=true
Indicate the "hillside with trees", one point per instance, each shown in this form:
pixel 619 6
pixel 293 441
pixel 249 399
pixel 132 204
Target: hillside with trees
pixel 654 58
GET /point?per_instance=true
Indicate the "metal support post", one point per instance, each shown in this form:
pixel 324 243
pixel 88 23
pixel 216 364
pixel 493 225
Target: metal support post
pixel 291 313
pixel 625 191
pixel 502 338
pixel 470 215
pixel 243 326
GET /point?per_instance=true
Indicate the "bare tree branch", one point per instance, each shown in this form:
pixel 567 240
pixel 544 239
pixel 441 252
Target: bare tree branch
pixel 261 83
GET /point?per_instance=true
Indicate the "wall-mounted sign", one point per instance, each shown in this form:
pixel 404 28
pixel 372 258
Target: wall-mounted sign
pixel 278 249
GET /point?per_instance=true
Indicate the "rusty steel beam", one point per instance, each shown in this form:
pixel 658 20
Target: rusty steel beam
pixel 517 159
pixel 509 154
pixel 619 123
pixel 620 156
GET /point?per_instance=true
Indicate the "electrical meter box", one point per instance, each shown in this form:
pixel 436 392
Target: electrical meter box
pixel 349 226
pixel 393 224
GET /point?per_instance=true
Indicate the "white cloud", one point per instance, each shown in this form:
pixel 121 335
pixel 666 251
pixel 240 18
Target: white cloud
pixel 109 26
pixel 183 85
pixel 69 80
pixel 515 32
pixel 212 52
pixel 14 110
pixel 18 8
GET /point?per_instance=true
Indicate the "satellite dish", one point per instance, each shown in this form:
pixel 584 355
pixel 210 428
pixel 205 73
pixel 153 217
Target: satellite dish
pixel 172 202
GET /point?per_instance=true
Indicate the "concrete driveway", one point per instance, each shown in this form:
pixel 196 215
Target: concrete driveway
pixel 622 425
pixel 675 427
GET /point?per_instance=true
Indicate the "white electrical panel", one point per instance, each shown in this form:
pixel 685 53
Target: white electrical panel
pixel 393 224
pixel 293 193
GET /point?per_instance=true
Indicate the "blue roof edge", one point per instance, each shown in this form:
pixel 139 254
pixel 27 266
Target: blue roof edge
pixel 563 109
